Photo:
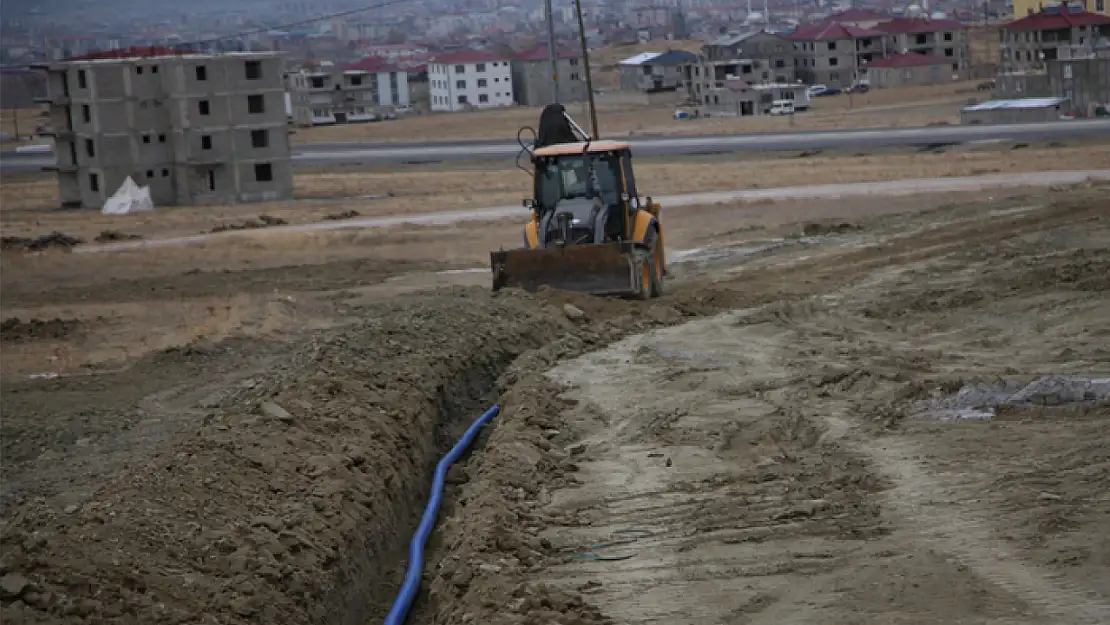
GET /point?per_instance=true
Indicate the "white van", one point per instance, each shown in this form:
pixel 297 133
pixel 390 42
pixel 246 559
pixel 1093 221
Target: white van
pixel 781 107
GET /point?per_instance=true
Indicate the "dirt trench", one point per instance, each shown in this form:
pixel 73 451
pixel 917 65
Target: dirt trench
pixel 283 506
pixel 294 500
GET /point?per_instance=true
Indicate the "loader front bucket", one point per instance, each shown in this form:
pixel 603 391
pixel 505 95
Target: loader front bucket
pixel 599 269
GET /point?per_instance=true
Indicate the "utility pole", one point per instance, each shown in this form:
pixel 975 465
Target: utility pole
pixel 552 52
pixel 586 67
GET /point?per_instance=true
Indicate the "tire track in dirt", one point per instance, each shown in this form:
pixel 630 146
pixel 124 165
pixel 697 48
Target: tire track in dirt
pixel 725 489
pixel 672 577
pixel 942 515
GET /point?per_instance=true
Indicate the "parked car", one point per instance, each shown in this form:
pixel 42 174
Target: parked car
pixel 827 91
pixel 781 107
pixel 815 89
pixel 860 87
pixel 986 85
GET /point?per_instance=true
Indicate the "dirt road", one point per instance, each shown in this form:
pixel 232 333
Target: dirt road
pixel 772 442
pixel 782 464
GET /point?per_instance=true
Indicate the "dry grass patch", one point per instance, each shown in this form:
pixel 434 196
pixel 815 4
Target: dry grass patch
pixel 693 174
pixel 24 120
pixel 417 191
pixel 125 304
pixel 908 106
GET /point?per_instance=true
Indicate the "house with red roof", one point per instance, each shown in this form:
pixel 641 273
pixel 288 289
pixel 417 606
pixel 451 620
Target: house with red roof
pixel 860 18
pixel 909 69
pixel 469 79
pixel 834 54
pixel 531 70
pixel 943 38
pixel 1053 33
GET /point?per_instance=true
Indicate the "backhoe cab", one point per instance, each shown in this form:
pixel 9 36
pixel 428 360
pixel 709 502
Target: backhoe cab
pixel 590 231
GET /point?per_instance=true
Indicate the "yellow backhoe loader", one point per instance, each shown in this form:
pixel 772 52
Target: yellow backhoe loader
pixel 590 231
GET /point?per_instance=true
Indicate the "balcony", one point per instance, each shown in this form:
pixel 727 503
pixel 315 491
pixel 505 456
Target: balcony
pixel 53 99
pixel 206 158
pixel 64 134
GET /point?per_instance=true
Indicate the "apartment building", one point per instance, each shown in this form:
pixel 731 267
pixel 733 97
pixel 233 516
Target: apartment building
pixel 937 38
pixel 835 54
pixel 531 72
pixel 1059 32
pixel 755 57
pixel 1024 8
pixel 909 69
pixel 469 79
pixel 656 71
pixel 195 128
pixel 361 92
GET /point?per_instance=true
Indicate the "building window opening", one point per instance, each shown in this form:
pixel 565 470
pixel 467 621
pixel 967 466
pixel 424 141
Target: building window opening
pixel 90 148
pixel 260 139
pixel 254 70
pixel 165 173
pixel 94 183
pixel 263 172
pixel 202 72
pixel 82 80
pixel 86 113
pixel 206 142
pixel 255 104
pixel 149 173
pixel 146 138
pixel 203 107
pixel 211 180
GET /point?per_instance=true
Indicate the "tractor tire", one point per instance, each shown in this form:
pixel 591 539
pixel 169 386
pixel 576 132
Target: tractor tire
pixel 658 275
pixel 650 269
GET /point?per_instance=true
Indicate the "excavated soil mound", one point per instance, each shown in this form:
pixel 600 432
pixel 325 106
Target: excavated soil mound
pixel 296 503
pixel 40 243
pixel 15 330
pixel 283 507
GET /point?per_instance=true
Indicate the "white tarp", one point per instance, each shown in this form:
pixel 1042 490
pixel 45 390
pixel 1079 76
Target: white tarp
pixel 129 198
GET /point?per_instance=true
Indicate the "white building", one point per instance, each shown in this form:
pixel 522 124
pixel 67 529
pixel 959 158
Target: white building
pixel 361 92
pixel 469 79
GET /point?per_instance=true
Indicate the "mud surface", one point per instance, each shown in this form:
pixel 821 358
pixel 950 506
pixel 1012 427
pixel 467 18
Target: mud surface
pixel 16 330
pixel 745 450
pixel 40 243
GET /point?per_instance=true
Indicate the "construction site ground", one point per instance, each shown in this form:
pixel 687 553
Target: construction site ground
pixel 881 410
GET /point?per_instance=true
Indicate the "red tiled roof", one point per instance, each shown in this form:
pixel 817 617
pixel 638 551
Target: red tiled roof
pixel 539 53
pixel 466 57
pixel 912 25
pixel 830 31
pixel 910 59
pixel 858 15
pixel 373 64
pixel 128 53
pixel 1057 21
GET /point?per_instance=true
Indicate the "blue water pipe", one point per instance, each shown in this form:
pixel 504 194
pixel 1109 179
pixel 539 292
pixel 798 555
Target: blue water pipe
pixel 401 606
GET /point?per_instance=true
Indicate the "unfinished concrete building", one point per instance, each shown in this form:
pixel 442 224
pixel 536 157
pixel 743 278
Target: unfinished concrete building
pixel 365 91
pixel 740 58
pixel 195 128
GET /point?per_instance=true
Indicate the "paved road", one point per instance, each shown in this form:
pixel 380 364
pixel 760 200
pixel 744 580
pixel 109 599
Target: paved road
pixel 669 202
pixel 346 153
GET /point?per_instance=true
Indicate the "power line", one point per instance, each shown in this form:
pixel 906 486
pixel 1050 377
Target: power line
pixel 304 22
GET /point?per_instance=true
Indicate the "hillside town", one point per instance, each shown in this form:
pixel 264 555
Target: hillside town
pixel 370 65
pixel 355 67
